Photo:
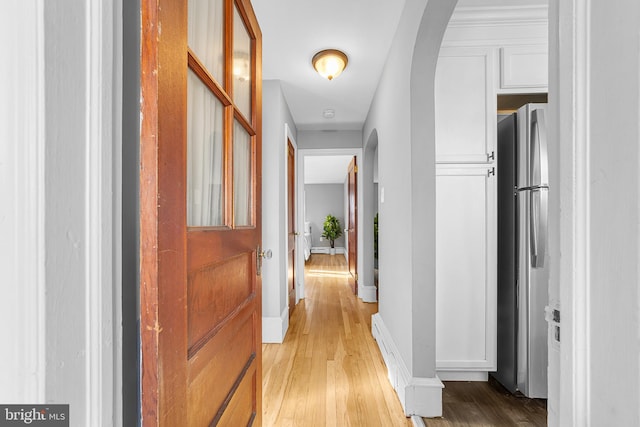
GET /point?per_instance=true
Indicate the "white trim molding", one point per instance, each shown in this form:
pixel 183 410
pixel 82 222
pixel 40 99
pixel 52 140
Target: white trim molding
pixel 498 15
pixel 325 250
pixel 575 349
pixel 102 133
pixel 463 375
pixel 368 293
pixel 417 421
pixel 418 396
pixel 22 221
pixel 274 329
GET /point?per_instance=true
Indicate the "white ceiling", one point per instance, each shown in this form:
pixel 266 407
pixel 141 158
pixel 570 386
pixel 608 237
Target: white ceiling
pixel 326 169
pixel 294 30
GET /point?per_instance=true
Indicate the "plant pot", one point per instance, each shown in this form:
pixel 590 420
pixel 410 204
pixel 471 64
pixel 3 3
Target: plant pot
pixel 332 251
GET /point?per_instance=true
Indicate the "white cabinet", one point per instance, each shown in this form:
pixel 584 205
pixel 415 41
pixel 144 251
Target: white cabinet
pixel 466 212
pixel 524 69
pixel 466 315
pixel 470 73
pixel 485 53
pixel 465 105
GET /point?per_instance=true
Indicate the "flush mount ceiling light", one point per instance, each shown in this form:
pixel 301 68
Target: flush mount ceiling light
pixel 329 63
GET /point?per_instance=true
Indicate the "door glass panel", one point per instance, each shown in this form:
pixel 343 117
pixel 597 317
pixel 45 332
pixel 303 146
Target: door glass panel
pixel 242 180
pixel 206 34
pixel 242 66
pixel 205 155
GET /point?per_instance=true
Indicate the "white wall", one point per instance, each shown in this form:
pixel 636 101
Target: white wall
pixel 614 219
pixel 596 47
pixel 614 165
pixel 390 117
pixel 274 210
pixel 402 114
pixel 322 200
pixel 66 228
pixel 329 139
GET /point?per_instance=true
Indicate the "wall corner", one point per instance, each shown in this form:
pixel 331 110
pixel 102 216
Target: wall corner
pixel 418 396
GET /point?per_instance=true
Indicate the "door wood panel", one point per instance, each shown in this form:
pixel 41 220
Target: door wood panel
pixel 291 226
pixel 200 291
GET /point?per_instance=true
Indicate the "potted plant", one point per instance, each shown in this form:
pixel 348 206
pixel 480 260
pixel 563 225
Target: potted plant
pixel 332 230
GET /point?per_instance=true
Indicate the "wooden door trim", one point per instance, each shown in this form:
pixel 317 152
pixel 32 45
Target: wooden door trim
pixel 298 209
pixel 353 168
pixel 166 266
pixel 292 225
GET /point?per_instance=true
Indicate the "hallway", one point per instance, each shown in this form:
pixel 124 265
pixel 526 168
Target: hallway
pixel 328 371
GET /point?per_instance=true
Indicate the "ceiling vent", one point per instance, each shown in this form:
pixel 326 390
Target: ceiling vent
pixel 329 113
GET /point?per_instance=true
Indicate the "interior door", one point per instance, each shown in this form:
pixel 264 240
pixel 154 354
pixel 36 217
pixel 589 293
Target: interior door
pixel 352 229
pixel 200 193
pixel 291 226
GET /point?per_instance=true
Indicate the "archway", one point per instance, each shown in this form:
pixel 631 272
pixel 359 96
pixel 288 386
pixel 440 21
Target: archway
pixel 370 202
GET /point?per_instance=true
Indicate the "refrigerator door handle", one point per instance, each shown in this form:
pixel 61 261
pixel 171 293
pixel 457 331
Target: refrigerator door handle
pixel 539 211
pixel 540 166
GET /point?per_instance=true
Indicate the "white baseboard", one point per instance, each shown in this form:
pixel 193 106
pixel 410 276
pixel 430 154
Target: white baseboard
pixel 417 421
pixel 325 250
pixel 463 375
pixel 274 329
pixel 418 396
pixel 367 293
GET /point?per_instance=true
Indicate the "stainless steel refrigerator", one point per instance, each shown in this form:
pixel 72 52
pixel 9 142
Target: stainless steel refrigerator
pixel 523 265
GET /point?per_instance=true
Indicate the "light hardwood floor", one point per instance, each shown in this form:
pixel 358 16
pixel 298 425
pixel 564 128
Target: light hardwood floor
pixel 328 371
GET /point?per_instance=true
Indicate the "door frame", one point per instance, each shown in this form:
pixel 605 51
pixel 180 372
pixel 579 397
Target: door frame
pixel 352 168
pixel 364 291
pixel 298 268
pixel 292 210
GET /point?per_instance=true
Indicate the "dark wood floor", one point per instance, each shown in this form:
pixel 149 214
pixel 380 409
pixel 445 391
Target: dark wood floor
pixel 487 404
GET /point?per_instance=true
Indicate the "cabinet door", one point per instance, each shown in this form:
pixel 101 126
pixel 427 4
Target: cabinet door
pixel 466 268
pixel 465 102
pixel 524 69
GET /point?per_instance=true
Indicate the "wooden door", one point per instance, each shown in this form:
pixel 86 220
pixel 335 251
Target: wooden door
pixel 352 228
pixel 291 226
pixel 200 193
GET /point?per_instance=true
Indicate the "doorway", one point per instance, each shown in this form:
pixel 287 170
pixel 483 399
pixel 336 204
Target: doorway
pixel 323 189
